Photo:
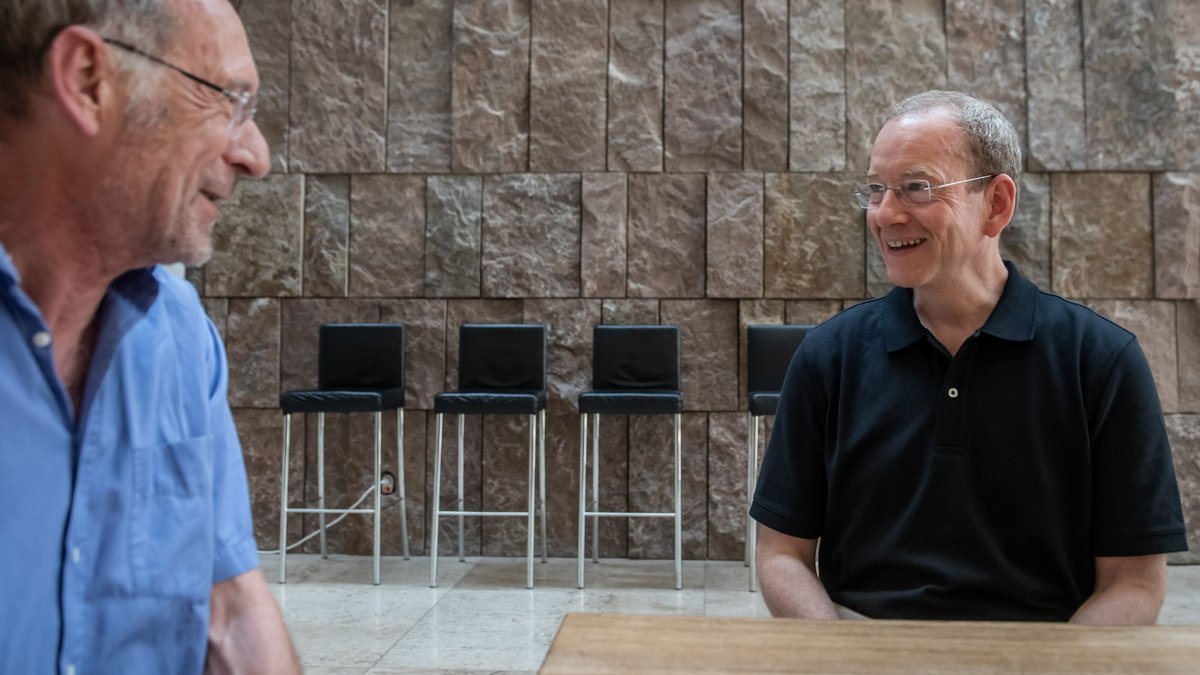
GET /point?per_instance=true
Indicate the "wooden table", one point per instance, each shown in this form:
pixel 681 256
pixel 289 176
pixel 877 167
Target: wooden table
pixel 622 643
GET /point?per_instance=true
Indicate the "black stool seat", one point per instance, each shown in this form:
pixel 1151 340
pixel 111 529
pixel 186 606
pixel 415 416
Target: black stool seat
pixel 341 400
pixel 511 402
pixel 625 402
pixel 763 402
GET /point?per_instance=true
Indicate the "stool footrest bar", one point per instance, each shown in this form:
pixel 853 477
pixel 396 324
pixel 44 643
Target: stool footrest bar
pixel 625 514
pixel 443 514
pixel 299 510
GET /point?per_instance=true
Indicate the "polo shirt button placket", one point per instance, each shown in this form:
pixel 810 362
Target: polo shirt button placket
pixel 953 393
pixel 41 339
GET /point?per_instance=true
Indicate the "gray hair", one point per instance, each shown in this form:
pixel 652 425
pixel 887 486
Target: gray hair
pixel 28 27
pixel 992 143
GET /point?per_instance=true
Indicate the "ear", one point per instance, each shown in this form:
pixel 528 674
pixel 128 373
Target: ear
pixel 1001 197
pixel 81 73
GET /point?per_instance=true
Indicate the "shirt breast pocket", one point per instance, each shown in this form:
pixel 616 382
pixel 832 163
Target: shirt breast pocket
pixel 171 533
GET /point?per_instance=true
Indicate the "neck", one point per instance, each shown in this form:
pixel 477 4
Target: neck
pixel 953 312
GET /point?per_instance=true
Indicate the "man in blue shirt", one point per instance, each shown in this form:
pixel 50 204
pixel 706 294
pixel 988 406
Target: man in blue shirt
pixel 128 545
pixel 966 447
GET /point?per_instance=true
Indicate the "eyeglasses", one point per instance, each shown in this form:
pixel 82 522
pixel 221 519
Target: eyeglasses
pixel 912 192
pixel 242 98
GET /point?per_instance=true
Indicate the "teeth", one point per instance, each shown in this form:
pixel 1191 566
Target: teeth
pixel 903 243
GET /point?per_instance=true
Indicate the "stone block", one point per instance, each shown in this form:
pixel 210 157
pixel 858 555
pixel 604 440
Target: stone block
pixel 1153 322
pixel 268 26
pixel 635 85
pixel 567 85
pixel 459 312
pixel 651 452
pixel 260 432
pixel 419 65
pixel 605 205
pixel 195 277
pixel 257 244
pixel 1026 240
pixel 666 235
pixel 338 103
pixel 728 509
pixel 883 42
pixel 735 235
pixel 531 235
pixel 702 119
pixel 1184 432
pixel 1054 83
pixel 614 482
pixel 631 312
pixel 753 312
pixel 472 495
pixel 709 346
pixel 765 110
pixel 217 310
pixel 877 278
pixel 985 54
pixel 253 352
pixel 387 236
pixel 1094 216
pixel 326 235
pixel 569 347
pixel 425 346
pixel 1177 235
pixel 813 237
pixel 453 211
pixel 490 90
pixel 505 473
pixel 812 311
pixel 300 322
pixel 818 77
pixel 1187 318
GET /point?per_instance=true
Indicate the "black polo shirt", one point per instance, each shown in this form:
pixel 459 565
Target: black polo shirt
pixel 974 487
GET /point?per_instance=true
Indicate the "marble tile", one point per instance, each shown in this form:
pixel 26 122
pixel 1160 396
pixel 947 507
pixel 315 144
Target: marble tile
pixel 253 352
pixel 387 236
pixel 734 238
pixel 631 311
pixel 257 245
pixel 453 215
pixel 1093 215
pixel 1054 82
pixel 604 202
pixel 635 85
pixel 666 235
pixel 1026 240
pixel 1176 235
pixel 813 237
pixel 419 71
pixel 985 54
pixel 531 235
pixel 217 310
pixel 818 78
pixel 326 235
pixel 268 26
pixel 765 110
pixel 708 359
pixel 811 311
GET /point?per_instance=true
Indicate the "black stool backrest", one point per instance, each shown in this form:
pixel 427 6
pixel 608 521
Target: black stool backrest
pixel 635 357
pixel 360 356
pixel 769 350
pixel 501 356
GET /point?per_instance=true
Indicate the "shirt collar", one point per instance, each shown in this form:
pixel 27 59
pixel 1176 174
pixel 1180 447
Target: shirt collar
pixel 138 286
pixel 1012 318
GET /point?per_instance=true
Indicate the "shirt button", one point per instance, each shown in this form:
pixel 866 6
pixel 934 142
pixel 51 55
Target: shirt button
pixel 41 339
pixel 70 669
pixel 75 555
pixel 953 392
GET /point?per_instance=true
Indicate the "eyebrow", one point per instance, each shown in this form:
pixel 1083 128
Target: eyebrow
pixel 915 172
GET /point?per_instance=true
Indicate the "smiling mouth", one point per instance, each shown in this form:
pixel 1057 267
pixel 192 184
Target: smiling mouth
pixel 902 244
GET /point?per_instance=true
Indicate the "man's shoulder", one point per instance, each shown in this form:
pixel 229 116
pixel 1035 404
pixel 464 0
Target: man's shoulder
pixel 1058 317
pixel 852 323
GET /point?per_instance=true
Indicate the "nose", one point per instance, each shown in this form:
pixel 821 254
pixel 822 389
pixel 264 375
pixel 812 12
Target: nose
pixel 247 152
pixel 891 209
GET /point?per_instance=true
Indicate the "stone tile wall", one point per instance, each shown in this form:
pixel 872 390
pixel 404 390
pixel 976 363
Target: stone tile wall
pixel 684 161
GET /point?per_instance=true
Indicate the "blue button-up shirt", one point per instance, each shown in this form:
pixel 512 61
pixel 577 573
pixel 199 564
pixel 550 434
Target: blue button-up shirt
pixel 115 523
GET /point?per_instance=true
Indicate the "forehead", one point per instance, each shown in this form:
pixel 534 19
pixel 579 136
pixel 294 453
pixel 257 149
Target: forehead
pixel 210 35
pixel 922 143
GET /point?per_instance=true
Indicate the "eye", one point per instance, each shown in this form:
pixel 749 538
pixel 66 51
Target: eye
pixel 914 186
pixel 875 188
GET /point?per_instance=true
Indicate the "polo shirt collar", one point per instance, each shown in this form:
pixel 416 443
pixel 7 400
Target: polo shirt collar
pixel 1012 319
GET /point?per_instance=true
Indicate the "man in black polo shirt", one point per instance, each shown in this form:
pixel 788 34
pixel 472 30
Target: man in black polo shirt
pixel 968 446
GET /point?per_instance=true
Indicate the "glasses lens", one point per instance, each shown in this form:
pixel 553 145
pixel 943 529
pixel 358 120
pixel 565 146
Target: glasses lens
pixel 916 191
pixel 243 110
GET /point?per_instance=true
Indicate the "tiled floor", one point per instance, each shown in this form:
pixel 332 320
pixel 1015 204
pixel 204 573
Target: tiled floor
pixel 482 619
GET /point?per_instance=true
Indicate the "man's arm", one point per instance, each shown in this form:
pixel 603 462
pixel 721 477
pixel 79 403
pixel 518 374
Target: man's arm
pixel 246 633
pixel 1129 590
pixel 787 571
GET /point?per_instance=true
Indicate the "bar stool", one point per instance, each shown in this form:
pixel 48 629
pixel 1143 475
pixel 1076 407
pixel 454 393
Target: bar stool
pixel 360 368
pixel 635 371
pixel 769 350
pixel 501 371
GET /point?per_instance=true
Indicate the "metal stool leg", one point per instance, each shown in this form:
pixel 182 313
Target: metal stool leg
pixel 749 472
pixel 531 502
pixel 378 515
pixel 321 480
pixel 542 477
pixel 400 480
pixel 283 498
pixel 596 487
pixel 751 481
pixel 678 504
pixel 435 503
pixel 461 504
pixel 583 434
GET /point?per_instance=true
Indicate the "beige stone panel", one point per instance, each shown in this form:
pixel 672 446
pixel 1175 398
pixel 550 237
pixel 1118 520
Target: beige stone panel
pixel 709 346
pixel 1153 322
pixel 268 26
pixel 453 215
pixel 1102 242
pixel 1054 84
pixel 883 42
pixel 326 235
pixel 666 235
pixel 490 91
pixel 1177 235
pixel 1187 317
pixel 253 352
pixel 635 85
pixel 338 103
pixel 605 205
pixel 569 325
pixel 877 278
pixel 195 277
pixel 765 111
pixel 818 93
pixel 651 485
pixel 985 54
pixel 735 235
pixel 459 312
pixel 702 120
pixel 424 346
pixel 531 235
pixel 727 506
pixel 753 312
pixel 387 236
pixel 813 237
pixel 301 325
pixel 419 67
pixel 260 432
pixel 631 312
pixel 812 311
pixel 1185 22
pixel 257 243
pixel 217 310
pixel 567 85
pixel 1026 240
pixel 1184 432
